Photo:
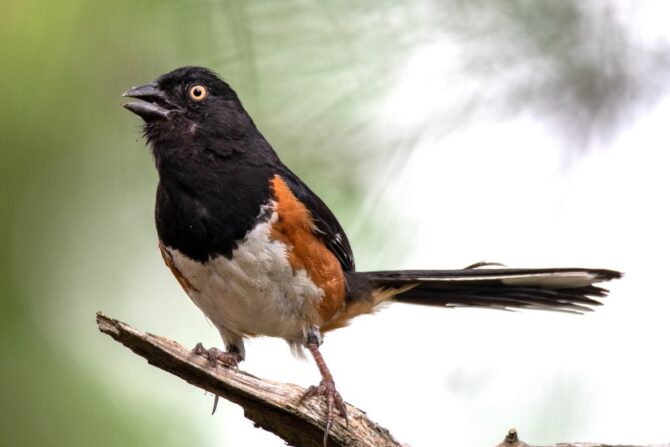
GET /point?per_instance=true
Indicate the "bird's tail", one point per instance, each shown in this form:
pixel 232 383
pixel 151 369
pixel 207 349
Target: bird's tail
pixel 558 289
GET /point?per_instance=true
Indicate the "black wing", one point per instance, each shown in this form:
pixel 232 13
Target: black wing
pixel 328 229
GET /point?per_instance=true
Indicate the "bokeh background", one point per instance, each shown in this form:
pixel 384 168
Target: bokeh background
pixel 442 133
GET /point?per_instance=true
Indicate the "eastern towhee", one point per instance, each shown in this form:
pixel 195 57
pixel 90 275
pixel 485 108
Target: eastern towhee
pixel 260 254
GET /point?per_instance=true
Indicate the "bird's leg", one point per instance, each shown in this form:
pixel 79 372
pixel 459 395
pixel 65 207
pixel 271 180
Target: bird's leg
pixel 326 388
pixel 230 358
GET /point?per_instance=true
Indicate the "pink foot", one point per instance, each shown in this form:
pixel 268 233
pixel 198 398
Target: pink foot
pixel 333 400
pixel 214 355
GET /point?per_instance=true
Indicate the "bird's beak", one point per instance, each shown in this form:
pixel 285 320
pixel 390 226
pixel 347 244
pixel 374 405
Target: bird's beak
pixel 153 104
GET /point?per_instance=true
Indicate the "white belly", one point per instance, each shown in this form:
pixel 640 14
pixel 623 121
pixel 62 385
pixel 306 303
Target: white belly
pixel 256 292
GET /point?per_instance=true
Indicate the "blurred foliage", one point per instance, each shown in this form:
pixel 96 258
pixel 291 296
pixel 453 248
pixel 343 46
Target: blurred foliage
pixel 77 184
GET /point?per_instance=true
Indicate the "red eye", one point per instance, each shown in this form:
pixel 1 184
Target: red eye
pixel 197 92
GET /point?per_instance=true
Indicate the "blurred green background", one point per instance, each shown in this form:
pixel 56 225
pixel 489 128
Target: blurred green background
pixel 76 228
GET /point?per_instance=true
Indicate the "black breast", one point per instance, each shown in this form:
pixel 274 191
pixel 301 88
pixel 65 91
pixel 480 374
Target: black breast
pixel 206 204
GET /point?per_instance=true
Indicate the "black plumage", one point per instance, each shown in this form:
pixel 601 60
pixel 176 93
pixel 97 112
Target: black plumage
pixel 558 289
pixel 214 181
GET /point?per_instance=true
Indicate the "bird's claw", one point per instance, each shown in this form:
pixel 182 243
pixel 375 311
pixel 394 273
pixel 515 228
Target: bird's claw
pixel 214 355
pixel 333 400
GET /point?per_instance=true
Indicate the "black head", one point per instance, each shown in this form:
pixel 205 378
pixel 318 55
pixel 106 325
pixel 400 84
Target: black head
pixel 187 105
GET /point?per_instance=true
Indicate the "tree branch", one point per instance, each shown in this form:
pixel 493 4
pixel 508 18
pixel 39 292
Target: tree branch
pixel 270 405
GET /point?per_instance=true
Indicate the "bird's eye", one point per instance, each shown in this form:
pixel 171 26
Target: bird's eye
pixel 197 92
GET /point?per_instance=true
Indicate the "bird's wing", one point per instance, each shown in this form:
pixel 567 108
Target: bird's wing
pixel 326 226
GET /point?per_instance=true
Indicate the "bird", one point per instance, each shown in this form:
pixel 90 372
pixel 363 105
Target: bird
pixel 262 255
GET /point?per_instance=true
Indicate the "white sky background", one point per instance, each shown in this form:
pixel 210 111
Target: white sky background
pixel 501 192
pixel 495 189
pixel 506 191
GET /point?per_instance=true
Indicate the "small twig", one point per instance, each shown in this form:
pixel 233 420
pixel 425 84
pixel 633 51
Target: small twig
pixel 512 440
pixel 270 405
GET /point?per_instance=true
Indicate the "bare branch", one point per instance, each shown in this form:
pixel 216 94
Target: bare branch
pixel 270 405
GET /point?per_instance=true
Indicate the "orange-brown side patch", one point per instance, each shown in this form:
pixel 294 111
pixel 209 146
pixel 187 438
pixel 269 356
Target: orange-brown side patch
pixel 294 226
pixel 364 306
pixel 167 257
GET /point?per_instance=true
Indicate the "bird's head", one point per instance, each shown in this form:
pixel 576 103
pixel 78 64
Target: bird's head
pixel 189 104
